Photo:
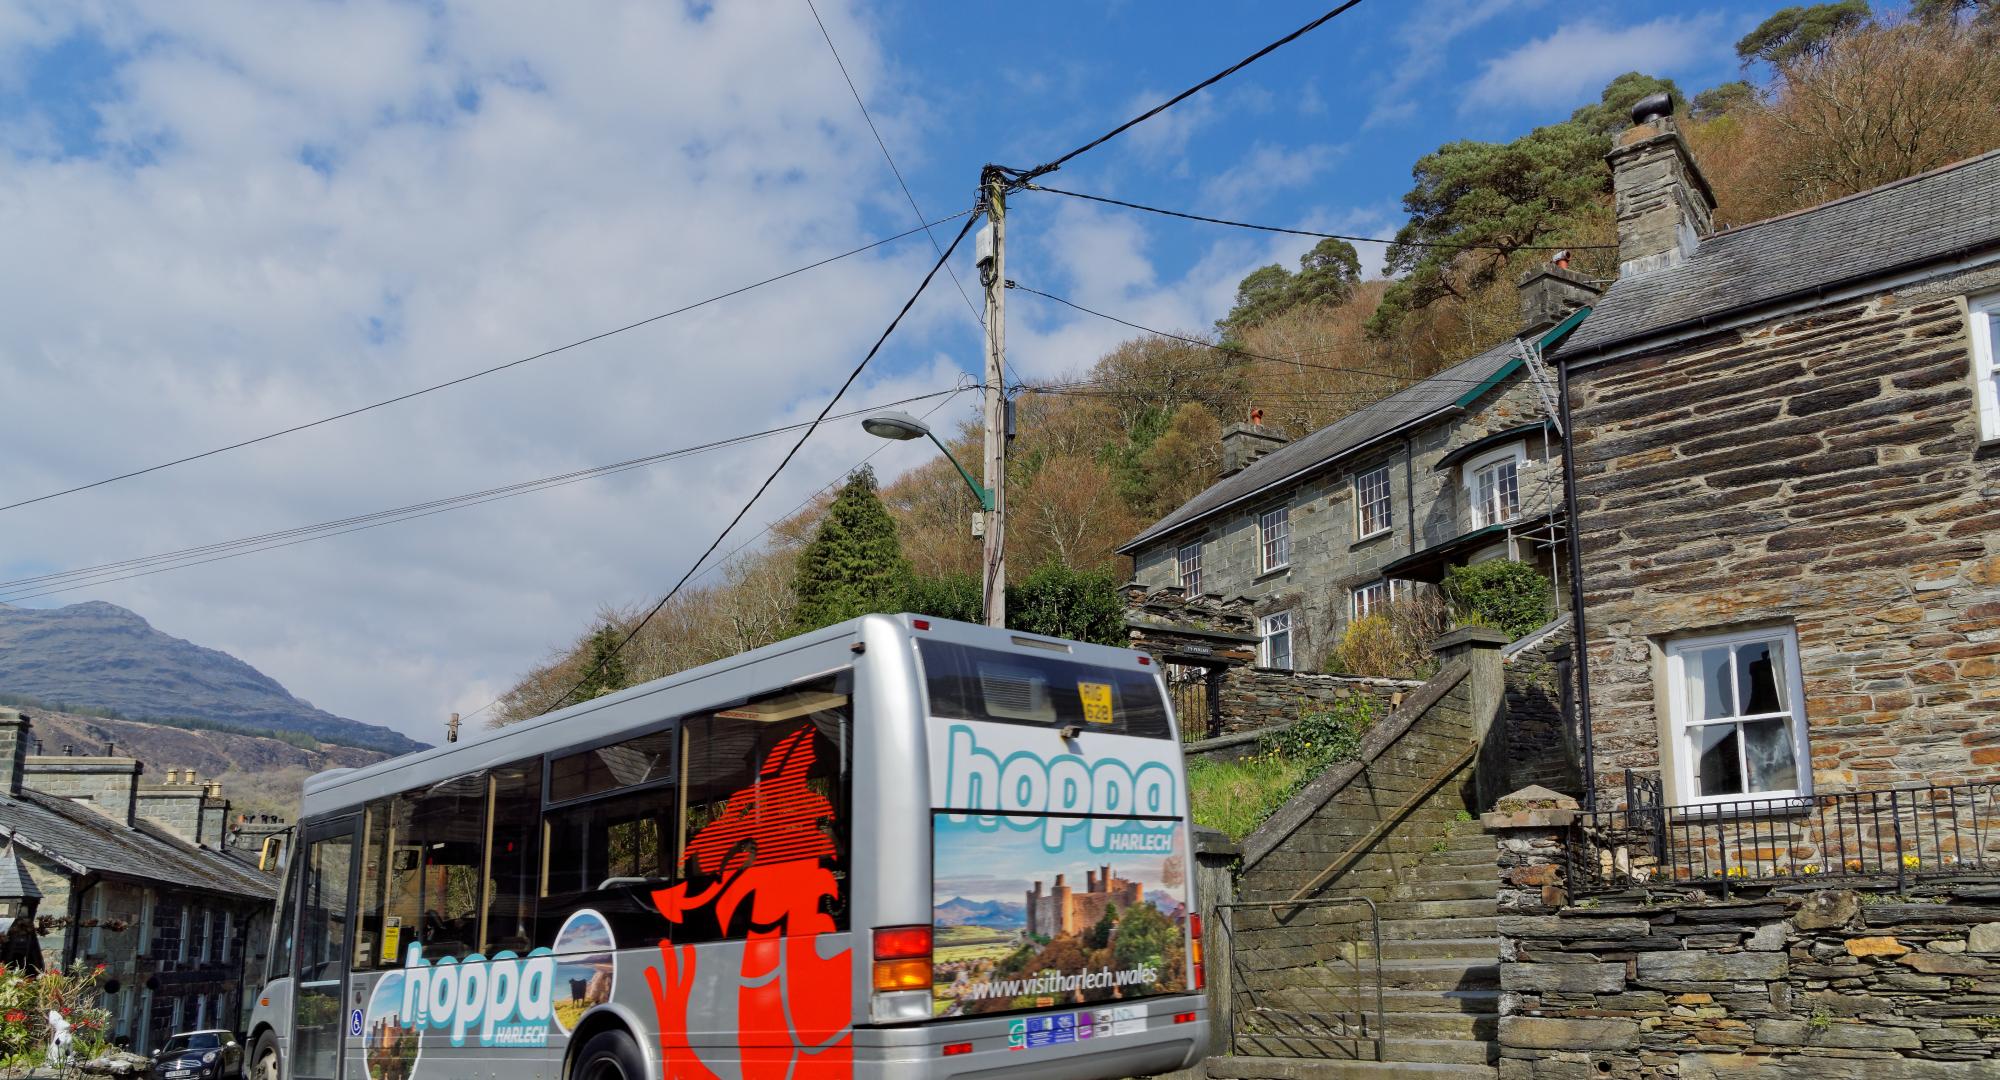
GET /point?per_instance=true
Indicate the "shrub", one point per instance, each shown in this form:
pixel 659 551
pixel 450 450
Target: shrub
pixel 952 596
pixel 1056 601
pixel 1393 642
pixel 1323 737
pixel 1511 597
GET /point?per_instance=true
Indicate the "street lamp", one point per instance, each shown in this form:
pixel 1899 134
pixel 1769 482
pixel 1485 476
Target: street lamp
pixel 902 427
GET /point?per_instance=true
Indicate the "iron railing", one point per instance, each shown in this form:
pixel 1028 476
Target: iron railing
pixel 1280 1003
pixel 1195 691
pixel 1905 835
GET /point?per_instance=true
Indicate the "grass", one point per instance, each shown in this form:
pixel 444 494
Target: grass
pixel 1236 796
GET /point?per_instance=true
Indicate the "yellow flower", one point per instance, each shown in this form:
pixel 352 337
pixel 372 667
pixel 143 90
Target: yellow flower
pixel 1736 871
pixel 1912 861
pixel 1809 868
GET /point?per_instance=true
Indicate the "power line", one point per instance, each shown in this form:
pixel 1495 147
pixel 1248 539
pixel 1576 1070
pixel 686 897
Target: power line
pixel 1230 349
pixel 1322 235
pixel 1022 177
pixel 769 480
pixel 807 501
pixel 487 371
pixel 886 156
pixel 147 565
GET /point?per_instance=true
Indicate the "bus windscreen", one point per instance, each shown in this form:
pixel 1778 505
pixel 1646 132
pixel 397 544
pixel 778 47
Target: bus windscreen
pixel 969 683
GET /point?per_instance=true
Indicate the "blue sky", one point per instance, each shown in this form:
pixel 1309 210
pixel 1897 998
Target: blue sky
pixel 226 218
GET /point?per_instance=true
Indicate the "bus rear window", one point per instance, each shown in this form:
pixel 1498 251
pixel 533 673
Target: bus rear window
pixel 967 683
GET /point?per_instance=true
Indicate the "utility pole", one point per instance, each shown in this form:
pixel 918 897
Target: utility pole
pixel 992 257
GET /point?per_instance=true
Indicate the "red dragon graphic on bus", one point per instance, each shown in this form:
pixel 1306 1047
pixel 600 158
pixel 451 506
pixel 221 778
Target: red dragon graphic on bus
pixel 794 1007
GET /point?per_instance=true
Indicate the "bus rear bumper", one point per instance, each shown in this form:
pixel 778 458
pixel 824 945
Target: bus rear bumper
pixel 1157 1035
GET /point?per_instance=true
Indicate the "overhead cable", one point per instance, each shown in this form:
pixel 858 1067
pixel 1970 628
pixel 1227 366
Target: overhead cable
pixel 977 317
pixel 1322 235
pixel 1023 176
pixel 772 478
pixel 485 371
pixel 147 565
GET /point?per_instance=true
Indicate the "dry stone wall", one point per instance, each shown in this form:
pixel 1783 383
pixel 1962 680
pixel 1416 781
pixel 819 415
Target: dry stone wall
pixel 1822 471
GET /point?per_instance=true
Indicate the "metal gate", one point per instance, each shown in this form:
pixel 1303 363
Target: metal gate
pixel 1195 690
pixel 1305 978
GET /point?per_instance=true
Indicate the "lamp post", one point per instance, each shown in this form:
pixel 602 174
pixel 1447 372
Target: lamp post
pixel 902 427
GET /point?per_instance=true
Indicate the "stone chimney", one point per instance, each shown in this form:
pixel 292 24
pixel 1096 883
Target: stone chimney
pixel 13 747
pixel 107 785
pixel 1550 293
pixel 174 806
pixel 1245 443
pixel 1664 204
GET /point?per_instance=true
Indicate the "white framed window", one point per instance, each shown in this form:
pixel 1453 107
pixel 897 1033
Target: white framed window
pixel 1276 649
pixel 1371 502
pixel 1368 599
pixel 1187 563
pixel 1738 716
pixel 1274 539
pixel 207 936
pixel 1986 364
pixel 181 950
pixel 1493 485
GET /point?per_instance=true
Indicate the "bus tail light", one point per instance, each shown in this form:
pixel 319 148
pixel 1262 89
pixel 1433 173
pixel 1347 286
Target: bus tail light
pixel 902 958
pixel 1194 952
pixel 1184 1018
pixel 955 1049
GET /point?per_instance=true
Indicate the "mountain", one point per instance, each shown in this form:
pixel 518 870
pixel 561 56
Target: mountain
pixel 958 911
pixel 259 775
pixel 103 657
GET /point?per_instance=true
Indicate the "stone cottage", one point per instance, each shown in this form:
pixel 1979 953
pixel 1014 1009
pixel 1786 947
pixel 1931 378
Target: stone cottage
pixel 1786 449
pixel 132 877
pixel 1457 468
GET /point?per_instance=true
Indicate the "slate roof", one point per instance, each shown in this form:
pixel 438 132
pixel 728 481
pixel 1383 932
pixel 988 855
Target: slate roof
pixel 1925 218
pixel 80 836
pixel 1348 435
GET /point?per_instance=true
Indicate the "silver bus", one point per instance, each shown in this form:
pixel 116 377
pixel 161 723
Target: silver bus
pixel 898 847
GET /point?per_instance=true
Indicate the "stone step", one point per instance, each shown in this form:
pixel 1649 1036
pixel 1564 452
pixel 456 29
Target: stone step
pixel 1464 926
pixel 1466 973
pixel 1484 1003
pixel 1401 1049
pixel 1437 909
pixel 1476 948
pixel 1270 1068
pixel 1483 1027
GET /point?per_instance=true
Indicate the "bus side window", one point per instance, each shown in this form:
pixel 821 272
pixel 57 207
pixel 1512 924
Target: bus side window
pixel 371 949
pixel 278 964
pixel 513 861
pixel 767 784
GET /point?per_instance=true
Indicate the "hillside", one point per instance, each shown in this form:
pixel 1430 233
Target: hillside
pixel 259 775
pixel 103 657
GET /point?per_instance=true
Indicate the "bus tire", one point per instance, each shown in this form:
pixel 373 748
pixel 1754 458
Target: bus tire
pixel 609 1055
pixel 263 1059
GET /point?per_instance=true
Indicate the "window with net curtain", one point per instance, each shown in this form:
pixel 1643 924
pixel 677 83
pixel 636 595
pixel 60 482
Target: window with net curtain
pixel 1738 720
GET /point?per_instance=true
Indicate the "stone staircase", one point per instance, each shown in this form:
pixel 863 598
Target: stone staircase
pixel 1440 971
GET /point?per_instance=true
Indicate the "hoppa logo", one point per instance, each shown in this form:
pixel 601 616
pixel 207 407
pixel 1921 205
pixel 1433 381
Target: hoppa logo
pixel 1026 784
pixel 509 999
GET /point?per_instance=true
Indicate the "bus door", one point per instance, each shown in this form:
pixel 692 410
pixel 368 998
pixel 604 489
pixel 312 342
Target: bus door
pixel 326 908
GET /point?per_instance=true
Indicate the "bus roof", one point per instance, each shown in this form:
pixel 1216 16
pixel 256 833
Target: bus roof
pixel 541 735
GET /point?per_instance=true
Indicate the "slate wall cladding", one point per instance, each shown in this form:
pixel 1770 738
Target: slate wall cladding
pixel 1830 984
pixel 1328 558
pixel 1257 698
pixel 1821 470
pixel 1536 751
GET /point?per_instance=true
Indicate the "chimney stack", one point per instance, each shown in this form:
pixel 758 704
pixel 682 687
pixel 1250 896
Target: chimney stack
pixel 1243 444
pixel 1664 204
pixel 13 747
pixel 1551 292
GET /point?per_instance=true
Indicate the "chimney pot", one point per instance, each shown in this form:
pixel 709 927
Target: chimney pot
pixel 1652 106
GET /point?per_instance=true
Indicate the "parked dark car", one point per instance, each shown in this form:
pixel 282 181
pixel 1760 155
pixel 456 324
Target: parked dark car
pixel 199 1055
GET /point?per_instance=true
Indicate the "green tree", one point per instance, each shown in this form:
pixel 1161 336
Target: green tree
pixel 951 596
pixel 854 564
pixel 1984 13
pixel 605 665
pixel 1327 276
pixel 1717 100
pixel 1503 196
pixel 1258 296
pixel 1057 601
pixel 1613 111
pixel 1801 32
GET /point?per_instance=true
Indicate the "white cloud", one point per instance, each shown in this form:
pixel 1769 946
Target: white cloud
pixel 295 209
pixel 1427 37
pixel 1268 169
pixel 1571 64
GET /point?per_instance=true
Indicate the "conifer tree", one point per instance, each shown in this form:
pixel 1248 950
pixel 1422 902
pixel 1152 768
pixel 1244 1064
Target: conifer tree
pixel 854 564
pixel 605 665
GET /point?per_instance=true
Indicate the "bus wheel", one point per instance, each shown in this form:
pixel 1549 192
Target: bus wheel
pixel 610 1055
pixel 264 1060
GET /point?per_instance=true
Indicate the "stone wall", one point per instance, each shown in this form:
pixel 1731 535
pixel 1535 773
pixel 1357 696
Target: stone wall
pixel 1831 985
pixel 106 785
pixel 1328 558
pixel 1255 699
pixel 1821 471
